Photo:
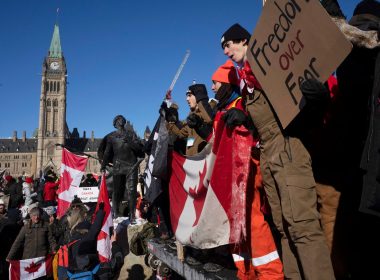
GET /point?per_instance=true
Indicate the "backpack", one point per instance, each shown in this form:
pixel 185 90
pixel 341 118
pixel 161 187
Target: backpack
pixel 86 275
pixel 63 254
pixel 139 240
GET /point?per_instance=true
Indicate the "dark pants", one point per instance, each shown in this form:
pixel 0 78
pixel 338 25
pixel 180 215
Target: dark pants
pixel 120 184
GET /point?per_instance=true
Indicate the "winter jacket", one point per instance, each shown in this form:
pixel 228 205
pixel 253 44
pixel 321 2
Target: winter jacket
pixel 195 143
pixel 15 192
pixel 36 240
pixel 50 191
pixel 358 80
pixel 83 254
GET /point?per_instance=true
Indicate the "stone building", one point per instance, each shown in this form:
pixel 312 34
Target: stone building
pixel 35 155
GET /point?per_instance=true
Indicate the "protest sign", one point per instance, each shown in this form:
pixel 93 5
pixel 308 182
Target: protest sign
pixel 294 40
pixel 88 194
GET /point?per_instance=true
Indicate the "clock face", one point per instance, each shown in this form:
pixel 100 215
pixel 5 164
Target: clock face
pixel 54 65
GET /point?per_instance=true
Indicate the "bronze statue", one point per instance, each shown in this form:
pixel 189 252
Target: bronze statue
pixel 122 148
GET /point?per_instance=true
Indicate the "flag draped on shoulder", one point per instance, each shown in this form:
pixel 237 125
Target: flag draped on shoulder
pixel 30 268
pixel 156 168
pixel 72 170
pixel 208 190
pixel 104 238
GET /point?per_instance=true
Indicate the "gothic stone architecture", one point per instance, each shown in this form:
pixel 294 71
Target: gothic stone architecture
pixel 35 155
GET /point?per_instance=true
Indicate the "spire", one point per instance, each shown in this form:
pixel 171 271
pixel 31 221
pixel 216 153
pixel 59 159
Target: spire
pixel 55 45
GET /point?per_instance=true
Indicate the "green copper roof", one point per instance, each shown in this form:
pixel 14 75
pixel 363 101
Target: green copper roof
pixel 55 45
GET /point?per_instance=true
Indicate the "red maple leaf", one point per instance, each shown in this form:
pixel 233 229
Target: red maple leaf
pixel 200 193
pixel 65 181
pixel 33 267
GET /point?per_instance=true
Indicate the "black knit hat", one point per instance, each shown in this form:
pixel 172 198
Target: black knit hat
pixel 76 201
pixel 235 32
pixel 333 8
pixel 368 7
pixel 199 91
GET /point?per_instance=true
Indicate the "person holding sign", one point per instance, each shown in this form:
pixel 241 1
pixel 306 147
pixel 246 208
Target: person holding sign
pixel 286 170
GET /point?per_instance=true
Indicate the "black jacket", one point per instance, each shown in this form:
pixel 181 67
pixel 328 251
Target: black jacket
pixel 122 149
pixel 83 254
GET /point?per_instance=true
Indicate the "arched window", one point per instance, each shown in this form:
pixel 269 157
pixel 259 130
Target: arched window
pixel 58 86
pixel 55 103
pixel 48 103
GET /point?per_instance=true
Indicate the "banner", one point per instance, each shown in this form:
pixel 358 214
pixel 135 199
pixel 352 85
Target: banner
pixel 156 168
pixel 88 194
pixel 72 170
pixel 104 237
pixel 208 191
pixel 30 268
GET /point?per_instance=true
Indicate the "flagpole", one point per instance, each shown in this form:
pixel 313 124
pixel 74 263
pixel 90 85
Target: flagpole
pixel 176 76
pixel 76 151
pixel 56 18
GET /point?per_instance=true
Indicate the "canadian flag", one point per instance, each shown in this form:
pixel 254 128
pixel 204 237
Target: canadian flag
pixel 104 240
pixel 30 268
pixel 208 191
pixel 72 170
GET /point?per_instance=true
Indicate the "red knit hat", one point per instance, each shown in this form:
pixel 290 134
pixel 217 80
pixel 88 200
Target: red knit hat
pixel 8 178
pixel 29 180
pixel 226 74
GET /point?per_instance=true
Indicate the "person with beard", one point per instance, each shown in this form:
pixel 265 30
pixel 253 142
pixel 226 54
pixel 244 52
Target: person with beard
pixel 250 256
pixel 76 213
pixel 82 248
pixel 123 148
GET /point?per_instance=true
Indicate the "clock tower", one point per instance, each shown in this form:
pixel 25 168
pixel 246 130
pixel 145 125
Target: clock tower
pixel 52 127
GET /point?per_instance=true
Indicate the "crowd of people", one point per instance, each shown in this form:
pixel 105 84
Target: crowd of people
pixel 312 198
pixel 317 172
pixel 31 229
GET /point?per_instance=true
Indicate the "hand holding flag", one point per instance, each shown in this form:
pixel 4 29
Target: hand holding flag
pixel 104 242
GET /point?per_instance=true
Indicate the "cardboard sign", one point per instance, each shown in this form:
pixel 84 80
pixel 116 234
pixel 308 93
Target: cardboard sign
pixel 88 194
pixel 294 40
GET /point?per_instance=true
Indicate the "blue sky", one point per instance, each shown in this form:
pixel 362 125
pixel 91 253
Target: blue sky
pixel 121 56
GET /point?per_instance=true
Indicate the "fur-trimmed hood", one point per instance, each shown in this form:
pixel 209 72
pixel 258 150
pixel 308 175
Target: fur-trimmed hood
pixel 358 37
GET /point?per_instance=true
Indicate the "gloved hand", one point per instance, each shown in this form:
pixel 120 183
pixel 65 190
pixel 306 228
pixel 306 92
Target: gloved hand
pixel 204 130
pixel 101 205
pixel 193 121
pixel 103 168
pixel 314 91
pixel 234 117
pixel 163 108
pixel 171 115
